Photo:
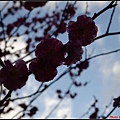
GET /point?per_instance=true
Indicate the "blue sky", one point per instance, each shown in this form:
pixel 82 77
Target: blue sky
pixel 103 73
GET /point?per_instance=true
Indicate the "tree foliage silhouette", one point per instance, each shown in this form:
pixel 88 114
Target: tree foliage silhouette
pixel 42 39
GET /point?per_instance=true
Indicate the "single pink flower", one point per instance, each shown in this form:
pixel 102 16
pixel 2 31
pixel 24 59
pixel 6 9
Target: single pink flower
pixel 74 52
pixel 50 52
pixel 14 77
pixel 42 72
pixel 83 30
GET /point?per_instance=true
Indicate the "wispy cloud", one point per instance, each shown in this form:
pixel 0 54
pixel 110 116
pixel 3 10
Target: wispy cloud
pixel 50 102
pixel 18 45
pixel 110 77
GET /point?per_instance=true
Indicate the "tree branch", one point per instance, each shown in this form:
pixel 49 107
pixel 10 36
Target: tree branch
pixel 111 18
pixel 105 35
pixel 103 10
pixel 6 97
pixel 103 54
pixel 110 112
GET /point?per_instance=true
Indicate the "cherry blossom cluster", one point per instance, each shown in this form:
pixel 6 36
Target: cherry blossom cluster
pixel 51 52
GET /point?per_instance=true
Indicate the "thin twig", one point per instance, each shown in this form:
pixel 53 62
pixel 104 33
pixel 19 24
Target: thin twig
pixel 75 2
pixel 25 18
pixel 103 10
pixel 111 19
pixel 101 116
pixel 5 5
pixel 29 102
pixel 6 97
pixel 105 35
pixel 111 112
pixel 106 53
pixel 86 11
pixel 17 114
pixel 26 56
pixel 61 19
pixel 37 91
pixel 58 104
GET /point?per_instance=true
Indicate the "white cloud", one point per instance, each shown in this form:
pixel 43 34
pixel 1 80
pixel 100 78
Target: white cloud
pixel 110 77
pixel 116 68
pixel 110 68
pixel 106 64
pixel 50 102
pixel 64 110
pixel 18 45
pixel 11 113
pixel 116 73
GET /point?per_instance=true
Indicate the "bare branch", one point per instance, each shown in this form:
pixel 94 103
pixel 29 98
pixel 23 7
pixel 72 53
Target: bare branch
pixel 103 10
pixel 6 97
pixel 111 18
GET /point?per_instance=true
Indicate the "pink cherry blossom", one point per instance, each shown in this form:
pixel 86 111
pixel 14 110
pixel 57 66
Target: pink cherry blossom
pixel 74 51
pixel 14 77
pixel 50 52
pixel 83 30
pixel 42 72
